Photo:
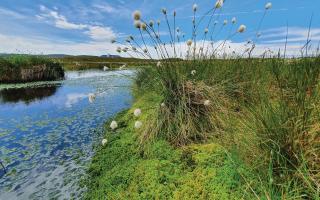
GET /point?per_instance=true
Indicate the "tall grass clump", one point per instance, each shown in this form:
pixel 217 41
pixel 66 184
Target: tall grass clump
pixel 288 124
pixel 191 110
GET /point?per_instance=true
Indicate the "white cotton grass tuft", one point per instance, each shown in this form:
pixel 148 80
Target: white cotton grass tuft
pixel 163 105
pixel 225 22
pixel 136 15
pixel 164 11
pixel 151 23
pixel 189 42
pixel 219 4
pixel 137 112
pixel 268 6
pixel 195 7
pixel 138 124
pixel 206 102
pixel 91 97
pixel 104 142
pixel 159 64
pixel 144 26
pixel 193 72
pixel 242 28
pixel 234 20
pixel 113 125
pixel 137 24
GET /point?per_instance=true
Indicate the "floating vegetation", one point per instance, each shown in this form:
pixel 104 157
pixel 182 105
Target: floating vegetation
pixel 41 142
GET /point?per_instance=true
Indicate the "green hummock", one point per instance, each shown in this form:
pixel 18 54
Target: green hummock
pixel 22 68
pixel 123 170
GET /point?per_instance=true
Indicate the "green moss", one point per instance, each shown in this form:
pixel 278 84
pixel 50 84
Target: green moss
pixel 124 170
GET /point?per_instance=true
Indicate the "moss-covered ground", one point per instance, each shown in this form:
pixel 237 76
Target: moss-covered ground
pixel 123 170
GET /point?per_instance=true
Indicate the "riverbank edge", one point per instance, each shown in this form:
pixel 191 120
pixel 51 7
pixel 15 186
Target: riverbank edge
pixel 32 74
pixel 26 69
pixel 122 169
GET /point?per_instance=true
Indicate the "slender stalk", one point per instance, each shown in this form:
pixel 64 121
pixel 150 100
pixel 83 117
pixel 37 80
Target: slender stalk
pixel 168 24
pixel 174 32
pixel 285 46
pixel 308 38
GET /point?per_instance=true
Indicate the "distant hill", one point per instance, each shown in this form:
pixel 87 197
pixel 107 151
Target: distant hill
pixel 56 55
pixel 110 56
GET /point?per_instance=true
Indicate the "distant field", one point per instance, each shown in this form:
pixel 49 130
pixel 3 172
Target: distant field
pixel 94 62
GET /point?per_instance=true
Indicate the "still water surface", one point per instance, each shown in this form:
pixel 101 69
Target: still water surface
pixel 48 131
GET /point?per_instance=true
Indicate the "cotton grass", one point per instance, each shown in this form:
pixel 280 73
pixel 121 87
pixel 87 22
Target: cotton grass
pixel 137 112
pixel 138 124
pixel 114 125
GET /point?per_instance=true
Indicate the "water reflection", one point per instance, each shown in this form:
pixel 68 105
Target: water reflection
pixel 27 94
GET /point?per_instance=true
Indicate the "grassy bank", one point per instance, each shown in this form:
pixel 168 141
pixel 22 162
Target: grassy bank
pixel 23 68
pixel 222 129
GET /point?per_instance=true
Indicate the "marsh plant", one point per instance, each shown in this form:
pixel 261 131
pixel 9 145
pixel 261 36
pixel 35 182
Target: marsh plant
pixel 207 93
pixel 179 66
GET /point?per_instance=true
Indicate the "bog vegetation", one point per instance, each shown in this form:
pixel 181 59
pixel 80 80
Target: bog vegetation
pixel 213 125
pixel 24 68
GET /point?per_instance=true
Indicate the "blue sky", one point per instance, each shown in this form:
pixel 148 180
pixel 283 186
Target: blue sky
pixel 86 26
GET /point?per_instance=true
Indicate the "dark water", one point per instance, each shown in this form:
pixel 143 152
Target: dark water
pixel 48 130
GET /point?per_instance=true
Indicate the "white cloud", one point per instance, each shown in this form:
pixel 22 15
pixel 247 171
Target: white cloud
pixel 10 13
pixel 100 33
pixel 295 34
pixel 106 8
pixel 100 45
pixel 95 32
pixel 60 21
pixel 115 11
pixel 20 44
